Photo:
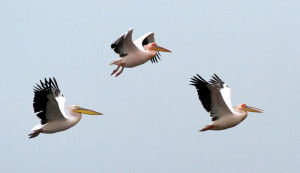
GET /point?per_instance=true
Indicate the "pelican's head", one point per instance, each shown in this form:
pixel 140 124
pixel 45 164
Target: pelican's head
pixel 75 109
pixel 244 107
pixel 154 46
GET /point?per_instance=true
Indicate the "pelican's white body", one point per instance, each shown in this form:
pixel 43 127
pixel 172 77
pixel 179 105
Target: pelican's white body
pixel 228 116
pixel 49 103
pixel 135 58
pixel 228 121
pixel 58 120
pixel 59 125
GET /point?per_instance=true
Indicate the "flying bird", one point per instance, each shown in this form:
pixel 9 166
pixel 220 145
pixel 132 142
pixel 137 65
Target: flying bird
pixel 215 98
pixel 135 53
pixel 49 104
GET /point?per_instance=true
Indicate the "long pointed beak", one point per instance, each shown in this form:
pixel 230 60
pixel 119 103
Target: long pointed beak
pixel 87 111
pixel 158 48
pixel 252 109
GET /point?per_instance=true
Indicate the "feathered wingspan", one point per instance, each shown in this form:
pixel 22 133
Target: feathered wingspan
pixel 124 45
pixel 224 90
pixel 211 97
pixel 203 91
pixel 144 40
pixel 45 103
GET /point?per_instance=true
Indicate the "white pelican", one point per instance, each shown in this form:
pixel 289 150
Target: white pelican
pixel 215 98
pixel 49 104
pixel 135 53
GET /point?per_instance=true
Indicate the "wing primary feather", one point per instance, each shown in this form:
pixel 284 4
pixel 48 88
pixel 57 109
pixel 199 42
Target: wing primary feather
pixel 39 87
pixel 154 60
pixel 40 100
pixel 42 84
pixel 218 77
pixel 202 79
pixel 51 85
pixel 55 83
pixel 217 82
pixel 211 95
pixel 203 91
pixel 158 54
pixel 118 45
pixel 46 83
pixel 35 88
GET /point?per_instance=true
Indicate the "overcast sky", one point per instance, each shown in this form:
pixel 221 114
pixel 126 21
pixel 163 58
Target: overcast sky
pixel 151 113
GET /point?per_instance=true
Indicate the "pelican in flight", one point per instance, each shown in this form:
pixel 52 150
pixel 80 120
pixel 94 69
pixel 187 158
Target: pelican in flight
pixel 135 53
pixel 215 98
pixel 49 104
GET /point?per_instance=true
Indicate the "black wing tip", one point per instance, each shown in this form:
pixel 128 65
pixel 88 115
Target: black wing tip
pixel 156 58
pixel 112 45
pixel 217 78
pixel 197 79
pixel 46 85
pixel 117 46
pixel 41 91
pixel 203 91
pixel 54 82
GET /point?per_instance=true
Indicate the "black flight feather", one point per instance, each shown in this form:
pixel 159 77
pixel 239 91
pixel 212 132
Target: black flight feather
pixel 117 46
pixel 40 97
pixel 203 91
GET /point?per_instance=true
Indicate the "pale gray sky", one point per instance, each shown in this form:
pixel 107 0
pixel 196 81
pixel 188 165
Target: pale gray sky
pixel 151 115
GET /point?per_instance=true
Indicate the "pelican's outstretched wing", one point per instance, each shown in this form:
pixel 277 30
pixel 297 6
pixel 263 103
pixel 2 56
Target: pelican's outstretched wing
pixel 48 101
pixel 124 44
pixel 210 96
pixel 224 89
pixel 144 40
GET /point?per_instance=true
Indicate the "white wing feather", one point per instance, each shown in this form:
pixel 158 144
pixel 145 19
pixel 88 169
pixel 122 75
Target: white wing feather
pixel 149 36
pixel 128 45
pixel 226 95
pixel 55 108
pixel 219 106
